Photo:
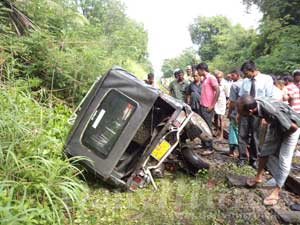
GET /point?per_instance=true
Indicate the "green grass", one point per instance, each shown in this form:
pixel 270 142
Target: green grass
pixel 37 186
pixel 180 199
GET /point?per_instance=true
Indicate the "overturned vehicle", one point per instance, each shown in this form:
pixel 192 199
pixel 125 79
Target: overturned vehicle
pixel 129 131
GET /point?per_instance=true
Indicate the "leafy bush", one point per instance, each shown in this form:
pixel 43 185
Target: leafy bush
pixel 37 186
pixel 73 43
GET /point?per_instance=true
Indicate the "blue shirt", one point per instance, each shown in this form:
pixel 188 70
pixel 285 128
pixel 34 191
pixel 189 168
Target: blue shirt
pixel 234 95
pixel 263 86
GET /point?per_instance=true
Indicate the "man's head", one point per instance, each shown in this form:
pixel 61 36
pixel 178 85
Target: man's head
pixel 274 78
pixel 288 79
pixel 296 75
pixel 246 105
pixel 196 76
pixel 228 77
pixel 202 69
pixel 189 70
pixel 235 74
pixel 249 69
pixel 219 75
pixel 150 77
pixel 176 73
pixel 179 75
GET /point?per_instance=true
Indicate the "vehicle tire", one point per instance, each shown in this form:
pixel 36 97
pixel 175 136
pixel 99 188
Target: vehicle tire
pixel 193 161
pixel 198 128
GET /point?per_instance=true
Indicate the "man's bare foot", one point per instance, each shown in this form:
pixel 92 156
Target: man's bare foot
pixel 271 200
pixel 231 154
pixel 253 181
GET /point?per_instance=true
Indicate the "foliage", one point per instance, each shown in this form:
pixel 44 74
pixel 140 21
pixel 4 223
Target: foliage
pixel 69 49
pixel 204 32
pixel 274 46
pixel 288 12
pixel 187 57
pixel 235 46
pixel 222 45
pixel 67 45
pixel 37 186
pixel 278 41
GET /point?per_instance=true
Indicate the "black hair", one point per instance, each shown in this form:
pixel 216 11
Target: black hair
pixel 296 73
pixel 247 102
pixel 248 65
pixel 194 67
pixel 177 72
pixel 236 71
pixel 288 78
pixel 150 75
pixel 202 66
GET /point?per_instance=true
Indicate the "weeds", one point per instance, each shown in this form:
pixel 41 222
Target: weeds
pixel 37 186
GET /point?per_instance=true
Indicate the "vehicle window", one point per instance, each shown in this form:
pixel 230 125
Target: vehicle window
pixel 108 122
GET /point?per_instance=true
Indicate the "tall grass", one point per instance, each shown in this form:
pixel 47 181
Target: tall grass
pixel 37 186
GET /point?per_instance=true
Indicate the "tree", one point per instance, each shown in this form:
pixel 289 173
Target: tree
pixel 204 31
pixel 288 11
pixel 187 57
pixel 235 46
pixel 277 45
pixel 76 41
pixel 222 45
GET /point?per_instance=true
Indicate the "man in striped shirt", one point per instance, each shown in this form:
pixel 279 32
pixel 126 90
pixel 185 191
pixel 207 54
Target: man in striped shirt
pixel 293 93
pixel 296 75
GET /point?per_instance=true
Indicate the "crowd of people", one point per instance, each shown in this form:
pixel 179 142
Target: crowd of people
pixel 263 113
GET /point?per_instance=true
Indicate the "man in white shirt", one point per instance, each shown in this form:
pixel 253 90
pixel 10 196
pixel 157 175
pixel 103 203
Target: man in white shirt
pixel 256 85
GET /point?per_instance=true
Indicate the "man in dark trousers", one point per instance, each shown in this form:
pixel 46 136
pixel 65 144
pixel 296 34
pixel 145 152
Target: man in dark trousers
pixel 279 143
pixel 257 85
pixel 210 92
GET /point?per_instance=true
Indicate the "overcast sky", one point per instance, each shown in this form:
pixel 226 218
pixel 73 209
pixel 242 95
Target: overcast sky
pixel 167 22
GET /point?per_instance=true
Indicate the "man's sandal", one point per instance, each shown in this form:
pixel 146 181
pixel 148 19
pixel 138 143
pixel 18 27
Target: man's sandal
pixel 270 201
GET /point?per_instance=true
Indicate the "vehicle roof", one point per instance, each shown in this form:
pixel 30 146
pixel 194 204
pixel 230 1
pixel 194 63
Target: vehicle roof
pixel 132 84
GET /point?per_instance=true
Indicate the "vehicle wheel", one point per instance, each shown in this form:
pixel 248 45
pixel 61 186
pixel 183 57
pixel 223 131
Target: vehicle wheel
pixel 193 161
pixel 198 128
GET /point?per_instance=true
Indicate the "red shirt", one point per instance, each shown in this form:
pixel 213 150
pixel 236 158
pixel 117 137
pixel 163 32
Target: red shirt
pixel 294 96
pixel 208 90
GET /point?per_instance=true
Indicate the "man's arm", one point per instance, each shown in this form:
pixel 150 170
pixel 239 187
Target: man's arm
pixel 188 94
pixel 269 87
pixel 233 97
pixel 171 88
pixel 293 128
pixel 242 90
pixel 188 99
pixel 216 96
pixel 231 106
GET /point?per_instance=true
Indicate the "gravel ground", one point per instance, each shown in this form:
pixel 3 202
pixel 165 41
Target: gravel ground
pixel 241 205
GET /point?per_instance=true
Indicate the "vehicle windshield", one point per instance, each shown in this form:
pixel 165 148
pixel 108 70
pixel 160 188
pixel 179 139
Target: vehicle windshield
pixel 108 122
